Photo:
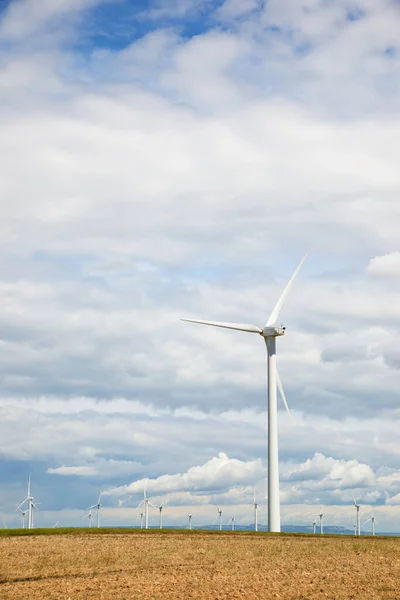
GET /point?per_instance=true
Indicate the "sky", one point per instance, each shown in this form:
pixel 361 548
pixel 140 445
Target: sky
pixel 168 159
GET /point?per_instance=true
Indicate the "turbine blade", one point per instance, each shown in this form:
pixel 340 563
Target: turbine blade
pixel 237 326
pixel 355 503
pixel 275 313
pixel 366 521
pixel 22 503
pixel 282 393
pixel 29 485
pixel 139 505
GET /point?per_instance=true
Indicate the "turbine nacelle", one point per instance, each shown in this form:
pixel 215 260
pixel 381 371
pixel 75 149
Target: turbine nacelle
pixel 273 331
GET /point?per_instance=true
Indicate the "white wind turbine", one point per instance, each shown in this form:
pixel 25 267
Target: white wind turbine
pixel 23 513
pixel 321 525
pixel 160 508
pixel 190 521
pixel 314 525
pixel 372 519
pixel 270 332
pixel 255 504
pixel 357 506
pixel 232 522
pixel 89 515
pixel 219 518
pixel 146 503
pixel 31 505
pixel 96 506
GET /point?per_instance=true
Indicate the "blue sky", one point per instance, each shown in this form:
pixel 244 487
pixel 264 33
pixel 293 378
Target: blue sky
pixel 177 159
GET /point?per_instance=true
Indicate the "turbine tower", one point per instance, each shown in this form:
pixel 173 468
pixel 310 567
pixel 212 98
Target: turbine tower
pixel 190 521
pixel 357 506
pixel 321 526
pixel 31 505
pixel 232 522
pixel 270 332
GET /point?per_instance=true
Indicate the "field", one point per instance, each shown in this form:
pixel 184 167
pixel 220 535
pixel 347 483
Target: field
pixel 176 565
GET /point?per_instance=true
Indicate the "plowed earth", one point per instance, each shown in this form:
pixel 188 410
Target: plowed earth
pixel 211 567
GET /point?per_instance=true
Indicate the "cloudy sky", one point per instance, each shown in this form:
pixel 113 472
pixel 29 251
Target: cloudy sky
pixel 169 158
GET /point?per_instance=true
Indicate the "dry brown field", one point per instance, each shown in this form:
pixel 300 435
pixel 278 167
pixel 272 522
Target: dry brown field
pixel 184 566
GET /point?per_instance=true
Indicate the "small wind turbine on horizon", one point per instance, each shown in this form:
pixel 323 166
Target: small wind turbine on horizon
pixel 219 518
pixel 255 504
pixel 23 513
pixel 232 522
pixel 372 519
pixel 160 508
pixel 31 505
pixel 321 526
pixel 146 503
pixel 357 506
pixel 97 506
pixel 190 521
pixel 269 332
pixel 314 525
pixel 89 515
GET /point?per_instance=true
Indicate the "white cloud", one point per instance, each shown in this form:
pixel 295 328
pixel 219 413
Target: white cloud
pixel 387 265
pixel 215 475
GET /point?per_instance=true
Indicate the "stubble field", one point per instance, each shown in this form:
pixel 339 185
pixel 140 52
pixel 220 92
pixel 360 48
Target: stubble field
pixel 209 566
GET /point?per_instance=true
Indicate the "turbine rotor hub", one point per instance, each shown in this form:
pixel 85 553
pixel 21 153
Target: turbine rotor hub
pixel 273 331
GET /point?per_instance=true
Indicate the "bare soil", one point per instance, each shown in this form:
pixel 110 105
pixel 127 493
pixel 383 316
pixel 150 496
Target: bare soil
pixel 200 566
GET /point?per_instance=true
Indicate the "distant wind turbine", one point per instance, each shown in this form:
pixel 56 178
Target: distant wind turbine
pixel 160 508
pixel 219 518
pixel 357 506
pixel 321 526
pixel 314 525
pixel 23 513
pixel 232 522
pixel 146 503
pixel 255 504
pixel 89 515
pixel 270 332
pixel 372 519
pixel 97 506
pixel 190 521
pixel 31 505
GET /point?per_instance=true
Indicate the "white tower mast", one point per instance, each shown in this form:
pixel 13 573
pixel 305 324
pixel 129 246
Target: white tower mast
pixel 270 332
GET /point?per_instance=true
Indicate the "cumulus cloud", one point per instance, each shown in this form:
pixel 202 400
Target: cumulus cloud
pixel 214 476
pixel 387 265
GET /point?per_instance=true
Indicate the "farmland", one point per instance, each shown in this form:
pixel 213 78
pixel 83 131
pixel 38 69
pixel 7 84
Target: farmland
pixel 198 565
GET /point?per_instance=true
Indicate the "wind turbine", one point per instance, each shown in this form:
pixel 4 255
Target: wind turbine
pixel 146 503
pixel 190 521
pixel 89 515
pixel 372 519
pixel 160 508
pixel 23 513
pixel 358 516
pixel 270 332
pixel 314 525
pixel 232 522
pixel 97 506
pixel 31 505
pixel 255 504
pixel 321 526
pixel 219 518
